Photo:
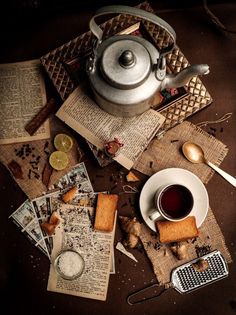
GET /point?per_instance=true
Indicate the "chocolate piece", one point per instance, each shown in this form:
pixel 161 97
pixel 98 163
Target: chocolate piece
pixel 40 117
pixel 16 169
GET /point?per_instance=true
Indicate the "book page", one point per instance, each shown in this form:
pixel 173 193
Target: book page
pixel 23 94
pixel 76 232
pixel 82 114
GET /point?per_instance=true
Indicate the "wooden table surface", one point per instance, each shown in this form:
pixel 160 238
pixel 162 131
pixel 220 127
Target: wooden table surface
pixel 31 29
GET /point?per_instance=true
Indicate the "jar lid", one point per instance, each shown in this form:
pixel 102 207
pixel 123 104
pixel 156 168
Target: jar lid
pixel 125 64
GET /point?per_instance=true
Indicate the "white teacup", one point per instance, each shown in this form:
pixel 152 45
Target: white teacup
pixel 173 202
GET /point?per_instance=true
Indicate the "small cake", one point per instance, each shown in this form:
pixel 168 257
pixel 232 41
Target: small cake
pixel 70 194
pixel 105 212
pixel 177 231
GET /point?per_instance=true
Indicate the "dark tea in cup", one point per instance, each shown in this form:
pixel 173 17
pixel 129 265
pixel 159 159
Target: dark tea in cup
pixel 175 202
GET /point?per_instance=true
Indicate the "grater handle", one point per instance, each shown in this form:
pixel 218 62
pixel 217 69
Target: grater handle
pixel 162 289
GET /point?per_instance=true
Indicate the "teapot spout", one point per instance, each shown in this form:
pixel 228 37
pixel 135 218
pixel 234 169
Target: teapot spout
pixel 182 78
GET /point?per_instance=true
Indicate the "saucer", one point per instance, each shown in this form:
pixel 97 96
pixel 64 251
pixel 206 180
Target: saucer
pixel 176 176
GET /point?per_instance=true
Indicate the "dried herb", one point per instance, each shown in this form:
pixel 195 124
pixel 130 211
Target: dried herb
pixel 157 246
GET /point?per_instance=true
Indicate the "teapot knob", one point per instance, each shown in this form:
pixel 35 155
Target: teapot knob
pixel 127 59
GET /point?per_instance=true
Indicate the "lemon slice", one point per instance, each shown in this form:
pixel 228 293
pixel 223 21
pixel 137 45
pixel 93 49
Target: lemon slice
pixel 58 160
pixel 63 142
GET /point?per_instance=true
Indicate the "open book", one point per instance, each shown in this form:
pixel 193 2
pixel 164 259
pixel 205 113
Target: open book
pixel 83 115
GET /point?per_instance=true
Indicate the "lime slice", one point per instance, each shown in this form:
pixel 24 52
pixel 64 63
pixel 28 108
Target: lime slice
pixel 58 160
pixel 63 142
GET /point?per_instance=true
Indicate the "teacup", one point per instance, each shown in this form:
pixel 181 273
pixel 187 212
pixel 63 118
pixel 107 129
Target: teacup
pixel 173 202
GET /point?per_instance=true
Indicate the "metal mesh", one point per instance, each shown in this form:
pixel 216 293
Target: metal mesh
pixel 186 278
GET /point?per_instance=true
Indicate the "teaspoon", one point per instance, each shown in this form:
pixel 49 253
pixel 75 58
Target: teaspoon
pixel 195 154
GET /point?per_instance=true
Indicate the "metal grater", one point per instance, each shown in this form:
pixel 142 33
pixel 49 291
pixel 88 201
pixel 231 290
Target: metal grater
pixel 186 278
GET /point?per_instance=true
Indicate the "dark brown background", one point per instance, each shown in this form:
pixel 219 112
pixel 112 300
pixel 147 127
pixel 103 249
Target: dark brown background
pixel 28 30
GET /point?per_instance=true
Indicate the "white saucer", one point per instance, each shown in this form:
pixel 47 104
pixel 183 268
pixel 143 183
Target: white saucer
pixel 176 176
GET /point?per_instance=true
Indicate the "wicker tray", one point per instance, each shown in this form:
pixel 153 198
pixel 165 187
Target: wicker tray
pixel 60 64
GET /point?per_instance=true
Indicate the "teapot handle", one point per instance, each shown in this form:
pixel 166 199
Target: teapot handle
pixel 122 9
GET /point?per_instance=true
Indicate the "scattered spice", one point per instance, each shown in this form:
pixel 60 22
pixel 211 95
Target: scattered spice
pixel 46 148
pixel 151 164
pixel 172 141
pixel 33 173
pixel 202 250
pixel 157 246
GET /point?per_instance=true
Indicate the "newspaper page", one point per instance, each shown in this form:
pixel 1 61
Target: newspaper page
pixel 23 94
pixel 96 248
pixel 26 219
pixel 31 214
pixel 83 115
pixel 83 200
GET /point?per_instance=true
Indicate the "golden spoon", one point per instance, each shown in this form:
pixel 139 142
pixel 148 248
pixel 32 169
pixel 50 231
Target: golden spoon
pixel 195 154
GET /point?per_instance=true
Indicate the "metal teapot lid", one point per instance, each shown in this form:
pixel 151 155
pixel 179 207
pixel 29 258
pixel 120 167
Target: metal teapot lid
pixel 125 64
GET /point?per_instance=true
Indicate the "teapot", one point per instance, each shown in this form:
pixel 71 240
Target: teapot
pixel 126 71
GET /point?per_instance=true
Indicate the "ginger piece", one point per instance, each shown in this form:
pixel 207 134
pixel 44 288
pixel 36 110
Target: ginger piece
pixel 131 241
pixel 132 228
pixel 130 177
pixel 70 194
pixel 201 265
pixel 179 250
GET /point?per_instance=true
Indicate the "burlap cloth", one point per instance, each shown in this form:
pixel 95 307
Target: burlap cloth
pixel 164 153
pixel 33 156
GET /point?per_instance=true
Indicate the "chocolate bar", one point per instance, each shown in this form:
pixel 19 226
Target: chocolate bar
pixel 40 117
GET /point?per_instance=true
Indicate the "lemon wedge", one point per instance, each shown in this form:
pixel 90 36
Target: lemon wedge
pixel 63 142
pixel 58 160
